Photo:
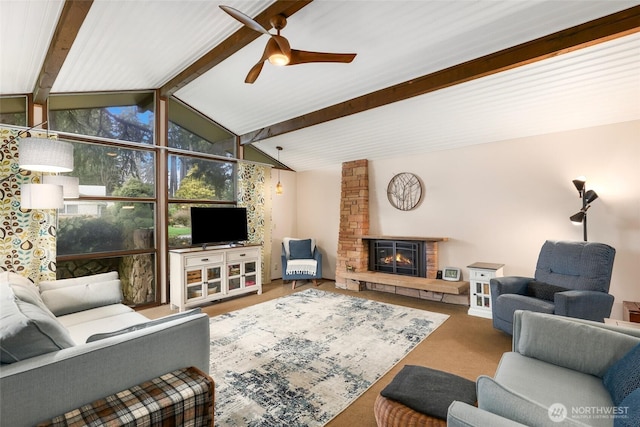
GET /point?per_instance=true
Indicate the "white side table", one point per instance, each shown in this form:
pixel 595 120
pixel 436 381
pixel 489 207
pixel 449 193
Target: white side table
pixel 480 273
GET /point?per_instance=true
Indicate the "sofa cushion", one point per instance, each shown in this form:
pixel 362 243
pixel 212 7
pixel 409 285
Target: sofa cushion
pixel 543 290
pixel 139 326
pixel 429 391
pixel 47 285
pixel 630 408
pixel 80 332
pixel 498 399
pixel 549 384
pixel 300 249
pixel 69 299
pixel 72 319
pixel 541 339
pixel 623 377
pixel 26 330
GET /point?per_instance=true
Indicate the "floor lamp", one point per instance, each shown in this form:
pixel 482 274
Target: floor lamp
pixel 587 197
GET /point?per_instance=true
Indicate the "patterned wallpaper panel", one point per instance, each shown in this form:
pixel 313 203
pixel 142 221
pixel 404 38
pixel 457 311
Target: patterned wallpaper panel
pixel 254 183
pixel 27 236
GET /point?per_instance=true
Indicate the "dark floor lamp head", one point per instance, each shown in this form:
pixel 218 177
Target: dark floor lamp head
pixel 587 197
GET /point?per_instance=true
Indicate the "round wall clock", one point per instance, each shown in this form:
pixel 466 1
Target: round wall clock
pixel 404 191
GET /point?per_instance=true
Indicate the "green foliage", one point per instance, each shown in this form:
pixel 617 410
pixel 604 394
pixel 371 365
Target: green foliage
pixel 79 235
pixel 195 187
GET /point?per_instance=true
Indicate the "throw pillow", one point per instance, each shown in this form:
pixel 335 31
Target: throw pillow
pixel 47 285
pixel 543 290
pixel 71 299
pixel 629 409
pixel 623 377
pixel 429 391
pixel 300 249
pixel 26 330
pixel 97 337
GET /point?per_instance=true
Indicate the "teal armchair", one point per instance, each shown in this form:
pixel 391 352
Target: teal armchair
pixel 301 260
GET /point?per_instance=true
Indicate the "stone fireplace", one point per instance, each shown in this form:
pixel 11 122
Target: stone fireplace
pixel 357 256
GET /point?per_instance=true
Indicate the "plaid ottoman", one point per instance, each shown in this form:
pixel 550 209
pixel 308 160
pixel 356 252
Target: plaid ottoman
pixel 181 398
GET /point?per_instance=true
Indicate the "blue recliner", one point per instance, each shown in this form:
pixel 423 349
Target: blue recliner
pixel 301 260
pixel 571 279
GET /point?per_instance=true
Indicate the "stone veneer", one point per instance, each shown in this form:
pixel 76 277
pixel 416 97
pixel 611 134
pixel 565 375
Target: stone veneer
pixel 353 254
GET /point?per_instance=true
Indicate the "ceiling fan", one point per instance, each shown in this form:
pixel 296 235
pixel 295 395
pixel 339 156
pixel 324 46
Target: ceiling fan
pixel 278 51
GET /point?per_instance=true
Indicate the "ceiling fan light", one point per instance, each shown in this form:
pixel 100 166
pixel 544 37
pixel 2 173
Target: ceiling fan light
pixel 278 58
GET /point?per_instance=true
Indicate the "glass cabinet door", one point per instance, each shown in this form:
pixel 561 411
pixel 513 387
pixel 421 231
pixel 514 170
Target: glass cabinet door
pixel 250 274
pixel 234 276
pixel 194 284
pixel 214 280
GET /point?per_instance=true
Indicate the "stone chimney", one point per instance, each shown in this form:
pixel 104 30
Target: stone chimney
pixel 353 253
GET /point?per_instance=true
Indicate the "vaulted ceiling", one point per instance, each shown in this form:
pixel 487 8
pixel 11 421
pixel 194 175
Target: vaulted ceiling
pixel 428 75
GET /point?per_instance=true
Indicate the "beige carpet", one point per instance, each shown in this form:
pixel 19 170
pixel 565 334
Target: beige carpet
pixel 463 345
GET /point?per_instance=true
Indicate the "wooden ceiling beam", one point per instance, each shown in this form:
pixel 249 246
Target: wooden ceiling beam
pixel 588 34
pixel 231 45
pixel 72 16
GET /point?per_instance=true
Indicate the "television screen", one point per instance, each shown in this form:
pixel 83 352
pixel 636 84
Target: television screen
pixel 218 225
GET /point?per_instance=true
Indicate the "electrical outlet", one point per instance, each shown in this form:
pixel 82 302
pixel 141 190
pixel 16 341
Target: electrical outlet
pixel 275 266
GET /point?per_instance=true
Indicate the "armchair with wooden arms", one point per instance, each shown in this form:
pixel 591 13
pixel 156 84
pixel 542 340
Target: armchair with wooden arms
pixel 301 260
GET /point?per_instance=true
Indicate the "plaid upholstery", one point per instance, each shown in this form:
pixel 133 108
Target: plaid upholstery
pixel 181 398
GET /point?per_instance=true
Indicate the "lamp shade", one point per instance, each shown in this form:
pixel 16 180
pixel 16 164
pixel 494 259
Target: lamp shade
pixel 70 184
pixel 41 196
pixel 590 196
pixel 578 217
pixel 579 183
pixel 45 155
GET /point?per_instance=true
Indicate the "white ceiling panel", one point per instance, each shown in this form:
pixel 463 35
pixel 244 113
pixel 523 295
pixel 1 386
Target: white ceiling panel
pixel 143 44
pixel 126 45
pixel 25 33
pixel 395 42
pixel 595 86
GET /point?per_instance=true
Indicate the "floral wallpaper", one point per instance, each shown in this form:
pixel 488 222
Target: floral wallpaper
pixel 27 236
pixel 254 184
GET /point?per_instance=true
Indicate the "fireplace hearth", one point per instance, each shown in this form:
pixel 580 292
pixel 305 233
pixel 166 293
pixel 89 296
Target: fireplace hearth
pixel 398 257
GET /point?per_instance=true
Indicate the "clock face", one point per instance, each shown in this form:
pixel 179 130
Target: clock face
pixel 404 191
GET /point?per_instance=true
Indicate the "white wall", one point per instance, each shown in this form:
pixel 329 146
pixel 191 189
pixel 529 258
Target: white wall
pixel 284 216
pixel 498 202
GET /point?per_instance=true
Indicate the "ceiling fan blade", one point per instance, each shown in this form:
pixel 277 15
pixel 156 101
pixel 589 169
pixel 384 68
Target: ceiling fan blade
pixel 246 20
pixel 303 57
pixel 254 72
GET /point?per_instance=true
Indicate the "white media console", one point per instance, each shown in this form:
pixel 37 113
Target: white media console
pixel 198 276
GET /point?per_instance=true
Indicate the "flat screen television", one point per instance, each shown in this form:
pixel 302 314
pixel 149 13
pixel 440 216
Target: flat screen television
pixel 218 225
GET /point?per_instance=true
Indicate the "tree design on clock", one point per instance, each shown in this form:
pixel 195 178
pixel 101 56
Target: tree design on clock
pixel 404 191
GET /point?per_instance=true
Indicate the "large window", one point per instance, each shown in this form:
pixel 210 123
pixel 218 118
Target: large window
pixel 196 179
pixel 123 116
pixel 13 110
pixel 191 131
pixel 113 225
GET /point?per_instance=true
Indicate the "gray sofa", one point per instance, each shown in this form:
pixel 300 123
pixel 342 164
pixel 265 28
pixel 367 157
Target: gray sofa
pixel 560 372
pixel 69 343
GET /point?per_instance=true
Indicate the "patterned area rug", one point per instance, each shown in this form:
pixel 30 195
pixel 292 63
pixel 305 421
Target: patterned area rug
pixel 301 359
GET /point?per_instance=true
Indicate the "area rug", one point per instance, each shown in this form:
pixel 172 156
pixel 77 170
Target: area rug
pixel 301 359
